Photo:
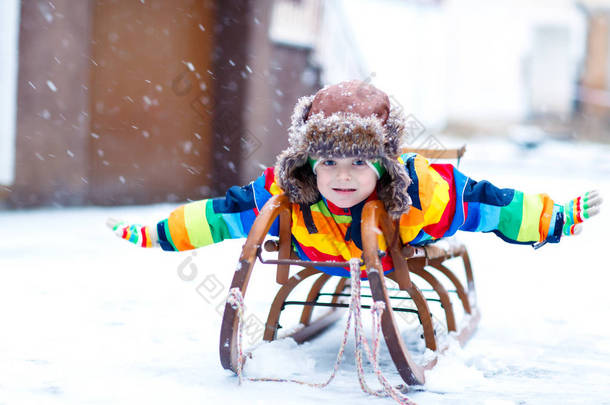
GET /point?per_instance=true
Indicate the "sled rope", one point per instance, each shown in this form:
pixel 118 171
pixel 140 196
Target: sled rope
pixel 377 311
pixel 236 300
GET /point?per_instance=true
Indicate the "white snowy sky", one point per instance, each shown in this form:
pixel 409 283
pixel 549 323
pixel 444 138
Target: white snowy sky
pixel 463 60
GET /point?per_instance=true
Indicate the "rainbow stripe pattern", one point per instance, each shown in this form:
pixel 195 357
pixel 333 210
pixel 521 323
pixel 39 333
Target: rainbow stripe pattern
pixel 576 211
pixel 136 234
pixel 204 222
pixel 444 201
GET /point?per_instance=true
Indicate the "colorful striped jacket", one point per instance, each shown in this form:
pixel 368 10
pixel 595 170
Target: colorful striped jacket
pixel 444 201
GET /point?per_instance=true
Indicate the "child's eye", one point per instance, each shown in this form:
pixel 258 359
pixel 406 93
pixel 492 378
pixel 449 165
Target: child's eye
pixel 359 162
pixel 329 162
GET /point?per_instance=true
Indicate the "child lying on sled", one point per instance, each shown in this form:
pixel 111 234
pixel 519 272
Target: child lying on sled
pixel 344 150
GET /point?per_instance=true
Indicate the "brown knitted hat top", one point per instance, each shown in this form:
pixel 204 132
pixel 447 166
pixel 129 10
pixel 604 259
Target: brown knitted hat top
pixel 352 97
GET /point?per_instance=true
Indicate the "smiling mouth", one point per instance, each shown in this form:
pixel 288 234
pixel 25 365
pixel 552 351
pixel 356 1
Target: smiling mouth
pixel 344 190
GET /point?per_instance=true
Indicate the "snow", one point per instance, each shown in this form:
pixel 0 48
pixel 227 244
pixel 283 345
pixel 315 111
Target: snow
pixel 88 318
pixel 51 86
pixel 189 65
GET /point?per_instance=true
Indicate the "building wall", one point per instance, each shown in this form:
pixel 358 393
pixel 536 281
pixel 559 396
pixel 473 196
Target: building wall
pixel 595 95
pixel 231 55
pixel 53 104
pixel 151 101
pixel 116 102
pixel 281 69
pixel 128 102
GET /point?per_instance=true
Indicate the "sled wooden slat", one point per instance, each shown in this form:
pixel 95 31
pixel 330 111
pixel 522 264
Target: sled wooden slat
pixel 461 292
pixel 313 295
pixel 442 294
pixel 284 248
pixel 424 262
pixel 437 153
pixel 278 303
pixel 317 327
pixel 276 206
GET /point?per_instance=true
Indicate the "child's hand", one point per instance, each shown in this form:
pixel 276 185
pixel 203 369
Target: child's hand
pixel 143 236
pixel 579 209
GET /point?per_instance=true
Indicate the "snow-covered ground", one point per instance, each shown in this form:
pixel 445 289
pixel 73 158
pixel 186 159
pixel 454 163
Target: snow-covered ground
pixel 89 319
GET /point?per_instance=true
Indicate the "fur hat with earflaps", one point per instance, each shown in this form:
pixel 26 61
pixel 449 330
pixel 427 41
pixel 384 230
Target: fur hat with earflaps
pixel 345 120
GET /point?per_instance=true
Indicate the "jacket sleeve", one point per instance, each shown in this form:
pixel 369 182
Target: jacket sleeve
pixel 213 220
pixel 451 201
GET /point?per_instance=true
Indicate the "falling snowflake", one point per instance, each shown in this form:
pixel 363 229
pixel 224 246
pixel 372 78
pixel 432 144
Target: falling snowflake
pixel 51 86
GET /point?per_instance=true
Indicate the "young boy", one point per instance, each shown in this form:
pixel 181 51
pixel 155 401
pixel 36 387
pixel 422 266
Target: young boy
pixel 344 150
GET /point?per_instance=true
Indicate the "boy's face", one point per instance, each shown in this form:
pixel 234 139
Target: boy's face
pixel 345 181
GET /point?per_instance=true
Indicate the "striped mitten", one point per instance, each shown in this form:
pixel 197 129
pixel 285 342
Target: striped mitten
pixel 579 209
pixel 143 236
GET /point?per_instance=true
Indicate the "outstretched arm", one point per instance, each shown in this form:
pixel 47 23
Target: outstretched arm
pixel 526 218
pixel 204 222
pixel 445 201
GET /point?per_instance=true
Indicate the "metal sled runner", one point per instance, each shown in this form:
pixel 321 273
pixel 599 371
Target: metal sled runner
pixel 426 263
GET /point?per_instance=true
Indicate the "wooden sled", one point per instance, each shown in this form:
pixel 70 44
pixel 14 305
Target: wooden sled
pixel 425 262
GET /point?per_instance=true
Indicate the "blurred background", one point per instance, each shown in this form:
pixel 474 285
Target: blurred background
pixel 128 103
pixel 108 102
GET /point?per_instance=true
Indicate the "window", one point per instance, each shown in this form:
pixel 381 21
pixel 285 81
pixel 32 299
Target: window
pixel 9 45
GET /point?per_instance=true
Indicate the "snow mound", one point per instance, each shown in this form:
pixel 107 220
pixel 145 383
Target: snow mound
pixel 454 372
pixel 279 359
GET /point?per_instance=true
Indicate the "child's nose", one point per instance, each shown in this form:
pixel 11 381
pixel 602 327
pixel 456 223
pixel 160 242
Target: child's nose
pixel 345 174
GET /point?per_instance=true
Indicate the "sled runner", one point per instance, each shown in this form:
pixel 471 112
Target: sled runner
pixel 427 263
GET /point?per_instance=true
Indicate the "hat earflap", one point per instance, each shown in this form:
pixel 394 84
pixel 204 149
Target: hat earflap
pixel 295 177
pixel 392 188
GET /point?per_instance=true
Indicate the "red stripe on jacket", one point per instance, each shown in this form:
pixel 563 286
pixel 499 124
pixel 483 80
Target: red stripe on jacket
pixel 438 230
pixel 144 240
